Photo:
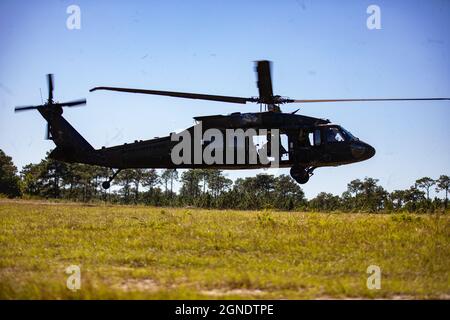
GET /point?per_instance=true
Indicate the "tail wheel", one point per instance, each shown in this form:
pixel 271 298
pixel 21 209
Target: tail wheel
pixel 106 185
pixel 300 174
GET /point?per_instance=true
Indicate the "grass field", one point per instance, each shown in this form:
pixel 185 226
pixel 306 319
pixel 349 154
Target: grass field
pixel 164 253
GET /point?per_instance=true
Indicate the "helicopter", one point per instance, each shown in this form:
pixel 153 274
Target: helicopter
pixel 303 143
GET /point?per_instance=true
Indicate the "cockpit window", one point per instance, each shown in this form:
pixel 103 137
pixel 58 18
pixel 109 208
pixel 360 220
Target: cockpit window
pixel 317 137
pixel 348 135
pixel 314 138
pixel 333 134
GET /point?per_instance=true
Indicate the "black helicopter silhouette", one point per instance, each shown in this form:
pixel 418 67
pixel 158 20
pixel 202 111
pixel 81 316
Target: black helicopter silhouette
pixel 308 143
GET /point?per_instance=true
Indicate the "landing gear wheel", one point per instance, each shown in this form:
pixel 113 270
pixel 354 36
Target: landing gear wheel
pixel 301 175
pixel 106 185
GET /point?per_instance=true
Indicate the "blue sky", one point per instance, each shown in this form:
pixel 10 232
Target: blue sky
pixel 320 49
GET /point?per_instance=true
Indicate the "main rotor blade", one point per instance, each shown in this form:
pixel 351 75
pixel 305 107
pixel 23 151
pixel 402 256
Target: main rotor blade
pixel 50 86
pixel 72 103
pixel 365 100
pixel 25 108
pixel 186 95
pixel 264 81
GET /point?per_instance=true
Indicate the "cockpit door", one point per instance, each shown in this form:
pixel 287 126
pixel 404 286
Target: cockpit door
pixel 316 150
pixel 336 145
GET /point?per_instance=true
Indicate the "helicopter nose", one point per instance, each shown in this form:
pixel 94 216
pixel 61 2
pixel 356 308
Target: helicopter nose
pixel 362 151
pixel 370 151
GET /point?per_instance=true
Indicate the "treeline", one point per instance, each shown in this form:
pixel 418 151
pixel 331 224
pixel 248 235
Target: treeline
pixel 52 179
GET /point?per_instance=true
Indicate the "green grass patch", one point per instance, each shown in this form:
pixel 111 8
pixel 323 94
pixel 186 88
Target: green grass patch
pixel 137 252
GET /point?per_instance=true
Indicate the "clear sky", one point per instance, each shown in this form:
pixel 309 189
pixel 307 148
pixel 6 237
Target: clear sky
pixel 320 49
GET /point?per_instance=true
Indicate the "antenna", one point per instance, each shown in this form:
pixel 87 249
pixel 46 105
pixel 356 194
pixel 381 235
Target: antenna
pixel 42 101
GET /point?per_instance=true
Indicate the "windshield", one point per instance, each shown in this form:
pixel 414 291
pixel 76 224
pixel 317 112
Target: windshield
pixel 348 135
pixel 333 134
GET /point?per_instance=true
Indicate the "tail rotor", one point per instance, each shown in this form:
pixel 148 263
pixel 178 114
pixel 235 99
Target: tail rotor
pixel 51 106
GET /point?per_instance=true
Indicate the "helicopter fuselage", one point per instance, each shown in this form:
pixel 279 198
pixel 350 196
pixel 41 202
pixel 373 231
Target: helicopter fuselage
pixel 304 142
